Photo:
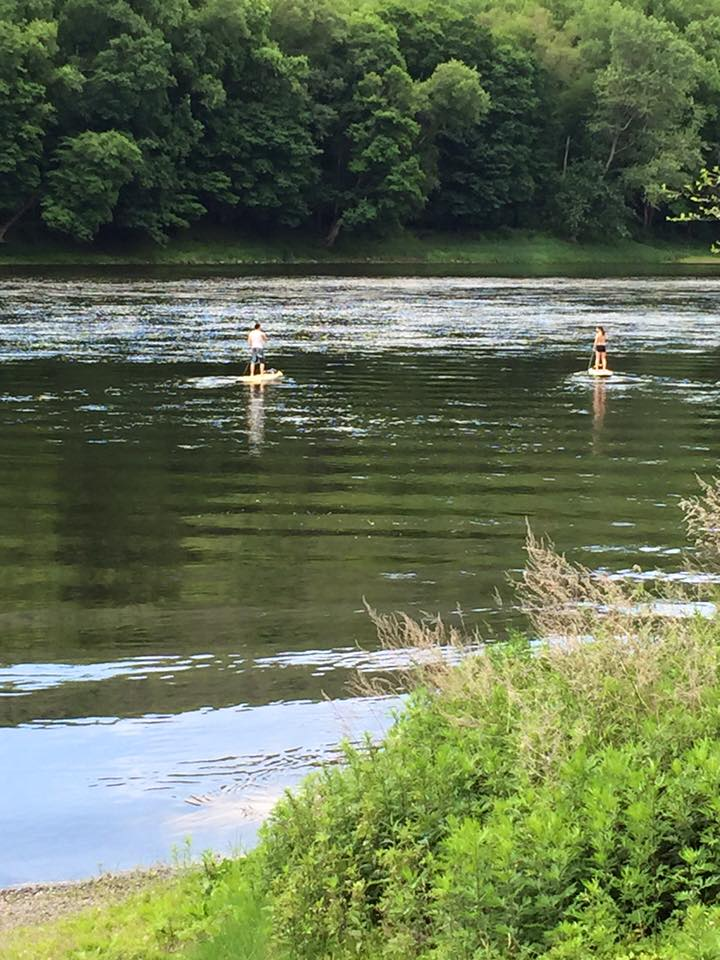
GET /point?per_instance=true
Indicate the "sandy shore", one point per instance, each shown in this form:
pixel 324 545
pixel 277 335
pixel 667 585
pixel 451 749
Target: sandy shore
pixel 38 903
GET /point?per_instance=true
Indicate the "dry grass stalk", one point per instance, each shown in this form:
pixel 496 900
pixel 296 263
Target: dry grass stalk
pixel 639 664
pixel 567 693
pixel 429 650
pixel 565 599
pixel 702 518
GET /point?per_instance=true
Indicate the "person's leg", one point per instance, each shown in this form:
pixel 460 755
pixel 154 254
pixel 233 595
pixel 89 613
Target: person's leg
pixel 604 360
pixel 252 364
pixel 597 360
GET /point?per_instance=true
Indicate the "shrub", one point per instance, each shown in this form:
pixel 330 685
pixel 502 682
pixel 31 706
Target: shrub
pixel 558 798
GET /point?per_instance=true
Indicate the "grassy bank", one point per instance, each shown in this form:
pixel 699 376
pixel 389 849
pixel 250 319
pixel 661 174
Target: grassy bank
pixel 552 800
pixel 164 917
pixel 508 249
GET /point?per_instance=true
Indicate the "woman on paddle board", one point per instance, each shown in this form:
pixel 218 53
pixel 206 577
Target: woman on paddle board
pixel 600 348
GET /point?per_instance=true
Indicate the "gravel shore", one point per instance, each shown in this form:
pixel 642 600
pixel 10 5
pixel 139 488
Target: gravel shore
pixel 39 903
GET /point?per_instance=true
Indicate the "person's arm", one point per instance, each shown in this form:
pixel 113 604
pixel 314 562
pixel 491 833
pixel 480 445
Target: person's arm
pixel 248 336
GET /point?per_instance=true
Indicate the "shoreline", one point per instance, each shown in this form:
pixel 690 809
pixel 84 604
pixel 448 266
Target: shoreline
pixel 513 251
pixel 33 904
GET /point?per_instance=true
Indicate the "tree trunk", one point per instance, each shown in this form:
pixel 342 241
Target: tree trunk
pixel 648 214
pixel 616 141
pixel 20 212
pixel 333 233
pixel 566 157
pixel 613 148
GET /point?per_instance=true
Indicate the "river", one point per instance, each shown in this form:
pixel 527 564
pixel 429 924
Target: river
pixel 184 567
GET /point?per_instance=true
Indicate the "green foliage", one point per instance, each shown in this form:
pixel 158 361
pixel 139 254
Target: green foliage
pixel 165 919
pixel 454 97
pixel 366 116
pixel 550 805
pixel 26 111
pixel 258 154
pixel 701 199
pixel 386 174
pixel 491 171
pixel 84 184
pixel 643 97
pixel 588 206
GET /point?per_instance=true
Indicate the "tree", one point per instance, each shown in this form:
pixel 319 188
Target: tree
pixel 453 98
pixel 257 151
pixel 27 68
pixel 489 171
pixel 587 205
pixel 83 186
pixel 645 112
pixel 386 178
pixel 129 56
pixel 367 115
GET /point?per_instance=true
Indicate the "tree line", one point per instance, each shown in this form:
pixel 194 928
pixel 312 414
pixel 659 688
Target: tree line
pixel 141 117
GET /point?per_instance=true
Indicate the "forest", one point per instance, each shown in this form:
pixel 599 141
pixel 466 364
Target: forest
pixel 138 118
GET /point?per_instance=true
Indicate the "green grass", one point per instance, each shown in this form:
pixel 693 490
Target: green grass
pixel 163 920
pixel 511 249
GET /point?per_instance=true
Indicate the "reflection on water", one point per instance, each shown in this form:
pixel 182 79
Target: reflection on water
pixel 599 406
pixel 256 418
pixel 183 560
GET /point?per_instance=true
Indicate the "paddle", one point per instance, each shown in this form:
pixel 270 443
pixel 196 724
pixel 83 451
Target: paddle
pixel 592 357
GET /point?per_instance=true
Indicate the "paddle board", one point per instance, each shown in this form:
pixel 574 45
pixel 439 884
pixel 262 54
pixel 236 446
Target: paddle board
pixel 599 373
pixel 214 383
pixel 263 377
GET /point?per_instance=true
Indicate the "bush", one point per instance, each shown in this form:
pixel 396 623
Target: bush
pixel 554 799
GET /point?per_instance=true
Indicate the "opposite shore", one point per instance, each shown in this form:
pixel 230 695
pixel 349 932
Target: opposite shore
pixel 505 250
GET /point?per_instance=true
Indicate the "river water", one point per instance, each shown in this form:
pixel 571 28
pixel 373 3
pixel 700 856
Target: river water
pixel 184 563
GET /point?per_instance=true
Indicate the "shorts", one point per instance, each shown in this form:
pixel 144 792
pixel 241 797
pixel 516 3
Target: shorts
pixel 601 348
pixel 257 356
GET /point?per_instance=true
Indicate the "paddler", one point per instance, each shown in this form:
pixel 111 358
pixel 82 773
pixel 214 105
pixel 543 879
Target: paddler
pixel 600 348
pixel 257 338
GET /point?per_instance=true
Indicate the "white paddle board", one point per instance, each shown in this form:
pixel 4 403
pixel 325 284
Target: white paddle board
pixel 599 373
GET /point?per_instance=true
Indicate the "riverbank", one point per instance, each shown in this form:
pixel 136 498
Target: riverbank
pixel 145 914
pixel 519 250
pixel 40 903
pixel 549 802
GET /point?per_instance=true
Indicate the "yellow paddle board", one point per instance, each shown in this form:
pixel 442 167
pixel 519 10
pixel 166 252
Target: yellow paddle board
pixel 268 377
pixel 599 373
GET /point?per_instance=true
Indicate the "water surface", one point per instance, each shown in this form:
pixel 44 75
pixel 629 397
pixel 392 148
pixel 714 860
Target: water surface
pixel 183 570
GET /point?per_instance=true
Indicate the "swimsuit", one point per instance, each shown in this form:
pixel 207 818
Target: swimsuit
pixel 601 348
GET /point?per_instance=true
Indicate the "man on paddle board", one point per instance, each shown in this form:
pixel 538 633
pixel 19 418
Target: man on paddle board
pixel 600 348
pixel 257 338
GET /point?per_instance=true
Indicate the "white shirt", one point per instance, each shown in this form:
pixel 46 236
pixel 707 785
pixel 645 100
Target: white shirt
pixel 256 339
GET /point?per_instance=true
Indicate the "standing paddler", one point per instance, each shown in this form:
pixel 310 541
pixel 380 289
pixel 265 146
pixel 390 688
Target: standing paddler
pixel 600 348
pixel 257 338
